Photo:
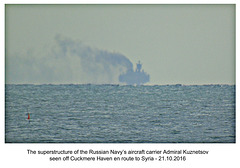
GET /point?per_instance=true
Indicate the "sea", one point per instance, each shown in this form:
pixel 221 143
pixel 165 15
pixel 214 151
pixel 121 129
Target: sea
pixel 120 114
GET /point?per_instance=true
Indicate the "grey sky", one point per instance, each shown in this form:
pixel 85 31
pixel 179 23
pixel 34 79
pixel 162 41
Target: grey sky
pixel 187 44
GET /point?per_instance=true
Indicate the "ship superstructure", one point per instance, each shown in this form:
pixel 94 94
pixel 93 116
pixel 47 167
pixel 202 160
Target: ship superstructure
pixel 137 77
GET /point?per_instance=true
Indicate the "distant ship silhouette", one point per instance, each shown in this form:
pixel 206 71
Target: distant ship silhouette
pixel 137 77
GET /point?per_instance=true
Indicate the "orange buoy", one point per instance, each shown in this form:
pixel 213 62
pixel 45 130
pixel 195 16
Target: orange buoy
pixel 28 116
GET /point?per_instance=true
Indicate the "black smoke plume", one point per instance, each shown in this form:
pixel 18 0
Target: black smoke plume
pixel 95 65
pixel 64 62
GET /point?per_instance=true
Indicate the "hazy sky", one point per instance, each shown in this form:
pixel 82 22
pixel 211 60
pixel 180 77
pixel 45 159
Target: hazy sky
pixel 187 44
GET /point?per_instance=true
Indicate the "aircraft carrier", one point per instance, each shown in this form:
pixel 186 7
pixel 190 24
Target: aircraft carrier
pixel 137 77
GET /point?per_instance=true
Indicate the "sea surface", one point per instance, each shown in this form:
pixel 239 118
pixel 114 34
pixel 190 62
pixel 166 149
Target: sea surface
pixel 120 114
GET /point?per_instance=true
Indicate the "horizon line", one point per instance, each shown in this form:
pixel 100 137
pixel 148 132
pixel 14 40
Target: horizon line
pixel 176 84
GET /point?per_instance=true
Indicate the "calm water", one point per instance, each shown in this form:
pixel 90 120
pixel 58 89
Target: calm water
pixel 112 113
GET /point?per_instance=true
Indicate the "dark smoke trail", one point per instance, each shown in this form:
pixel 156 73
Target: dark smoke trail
pixel 96 66
pixel 67 61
